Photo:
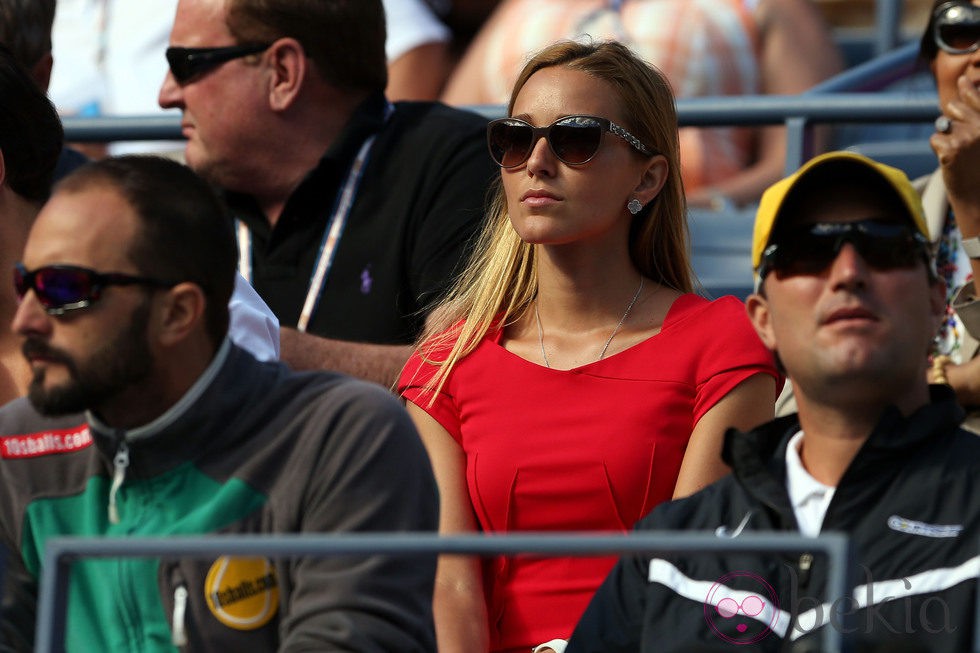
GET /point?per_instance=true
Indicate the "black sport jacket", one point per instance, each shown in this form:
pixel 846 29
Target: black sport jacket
pixel 909 502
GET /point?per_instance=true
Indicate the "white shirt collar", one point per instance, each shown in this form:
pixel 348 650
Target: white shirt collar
pixel 808 496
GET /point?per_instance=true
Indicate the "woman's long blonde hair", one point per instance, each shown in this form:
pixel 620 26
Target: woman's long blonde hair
pixel 499 282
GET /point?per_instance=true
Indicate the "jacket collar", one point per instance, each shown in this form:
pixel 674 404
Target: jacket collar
pixel 173 413
pixel 210 415
pixel 758 457
pixel 367 119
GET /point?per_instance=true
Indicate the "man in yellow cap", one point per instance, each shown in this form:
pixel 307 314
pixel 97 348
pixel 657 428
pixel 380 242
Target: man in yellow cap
pixel 848 299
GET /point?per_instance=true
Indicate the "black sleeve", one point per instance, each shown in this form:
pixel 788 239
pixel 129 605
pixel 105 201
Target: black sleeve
pixel 371 475
pixel 614 619
pixel 18 614
pixel 613 622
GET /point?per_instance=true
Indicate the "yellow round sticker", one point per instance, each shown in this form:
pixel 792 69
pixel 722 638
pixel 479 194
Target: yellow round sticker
pixel 242 593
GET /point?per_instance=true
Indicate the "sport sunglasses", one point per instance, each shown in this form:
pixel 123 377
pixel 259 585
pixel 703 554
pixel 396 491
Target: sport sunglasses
pixel 573 139
pixel 810 249
pixel 63 288
pixel 956 28
pixel 188 63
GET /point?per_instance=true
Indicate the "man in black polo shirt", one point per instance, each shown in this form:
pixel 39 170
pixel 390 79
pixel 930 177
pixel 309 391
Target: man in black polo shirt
pixel 353 213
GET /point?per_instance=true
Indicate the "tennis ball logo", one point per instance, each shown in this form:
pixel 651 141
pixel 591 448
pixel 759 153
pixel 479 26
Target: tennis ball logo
pixel 242 593
pixel 751 612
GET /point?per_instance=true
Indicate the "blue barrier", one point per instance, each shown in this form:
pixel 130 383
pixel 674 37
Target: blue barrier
pixel 61 552
pixel 696 112
pixel 721 242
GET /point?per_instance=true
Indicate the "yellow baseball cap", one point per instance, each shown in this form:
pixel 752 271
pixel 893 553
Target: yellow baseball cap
pixel 775 196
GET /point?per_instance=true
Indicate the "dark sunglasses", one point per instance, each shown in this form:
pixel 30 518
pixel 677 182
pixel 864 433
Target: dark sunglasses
pixel 573 139
pixel 188 63
pixel 63 288
pixel 811 248
pixel 956 28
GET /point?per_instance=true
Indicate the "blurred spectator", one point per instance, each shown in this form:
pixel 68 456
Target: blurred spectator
pixel 951 195
pixel 849 301
pixel 417 49
pixel 705 48
pixel 28 136
pixel 110 61
pixel 352 212
pixel 950 45
pixel 112 57
pixel 25 28
pixel 144 420
pixel 464 18
pixel 573 380
pixel 30 143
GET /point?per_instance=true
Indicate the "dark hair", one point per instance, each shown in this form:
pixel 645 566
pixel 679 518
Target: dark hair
pixel 344 38
pixel 31 135
pixel 185 233
pixel 25 28
pixel 927 44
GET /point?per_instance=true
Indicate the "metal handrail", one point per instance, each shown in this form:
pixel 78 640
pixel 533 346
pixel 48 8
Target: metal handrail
pixel 848 97
pixel 797 112
pixel 888 20
pixel 874 74
pixel 699 111
pixel 61 552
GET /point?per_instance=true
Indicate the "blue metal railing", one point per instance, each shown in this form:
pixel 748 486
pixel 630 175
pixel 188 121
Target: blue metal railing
pixel 721 248
pixel 849 97
pixel 60 553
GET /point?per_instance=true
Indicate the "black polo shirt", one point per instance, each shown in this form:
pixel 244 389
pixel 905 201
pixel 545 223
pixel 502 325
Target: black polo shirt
pixel 420 201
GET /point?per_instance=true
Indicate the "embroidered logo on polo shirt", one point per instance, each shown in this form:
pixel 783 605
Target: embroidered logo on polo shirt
pixel 912 527
pixel 367 281
pixel 46 443
pixel 242 593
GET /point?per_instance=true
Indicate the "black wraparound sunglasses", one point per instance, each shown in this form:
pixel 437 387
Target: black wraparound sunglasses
pixel 811 248
pixel 573 139
pixel 188 63
pixel 63 288
pixel 956 27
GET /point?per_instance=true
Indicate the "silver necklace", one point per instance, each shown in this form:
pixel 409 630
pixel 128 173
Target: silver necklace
pixel 626 314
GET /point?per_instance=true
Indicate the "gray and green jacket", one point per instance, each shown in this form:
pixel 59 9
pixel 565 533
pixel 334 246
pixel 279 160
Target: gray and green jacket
pixel 251 448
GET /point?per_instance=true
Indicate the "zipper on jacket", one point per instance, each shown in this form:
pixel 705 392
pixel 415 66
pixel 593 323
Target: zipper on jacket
pixel 178 626
pixel 806 561
pixel 803 566
pixel 120 463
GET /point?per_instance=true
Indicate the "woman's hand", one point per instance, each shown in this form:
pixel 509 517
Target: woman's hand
pixel 958 151
pixel 965 381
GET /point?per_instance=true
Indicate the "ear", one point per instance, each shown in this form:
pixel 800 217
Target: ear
pixel 180 314
pixel 757 306
pixel 289 68
pixel 937 303
pixel 652 180
pixel 41 71
pixel 3 169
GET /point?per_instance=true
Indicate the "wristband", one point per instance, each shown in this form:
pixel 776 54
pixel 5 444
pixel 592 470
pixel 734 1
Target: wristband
pixel 971 247
pixel 557 645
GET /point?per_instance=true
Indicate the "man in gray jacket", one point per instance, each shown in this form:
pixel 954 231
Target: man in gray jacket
pixel 123 314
